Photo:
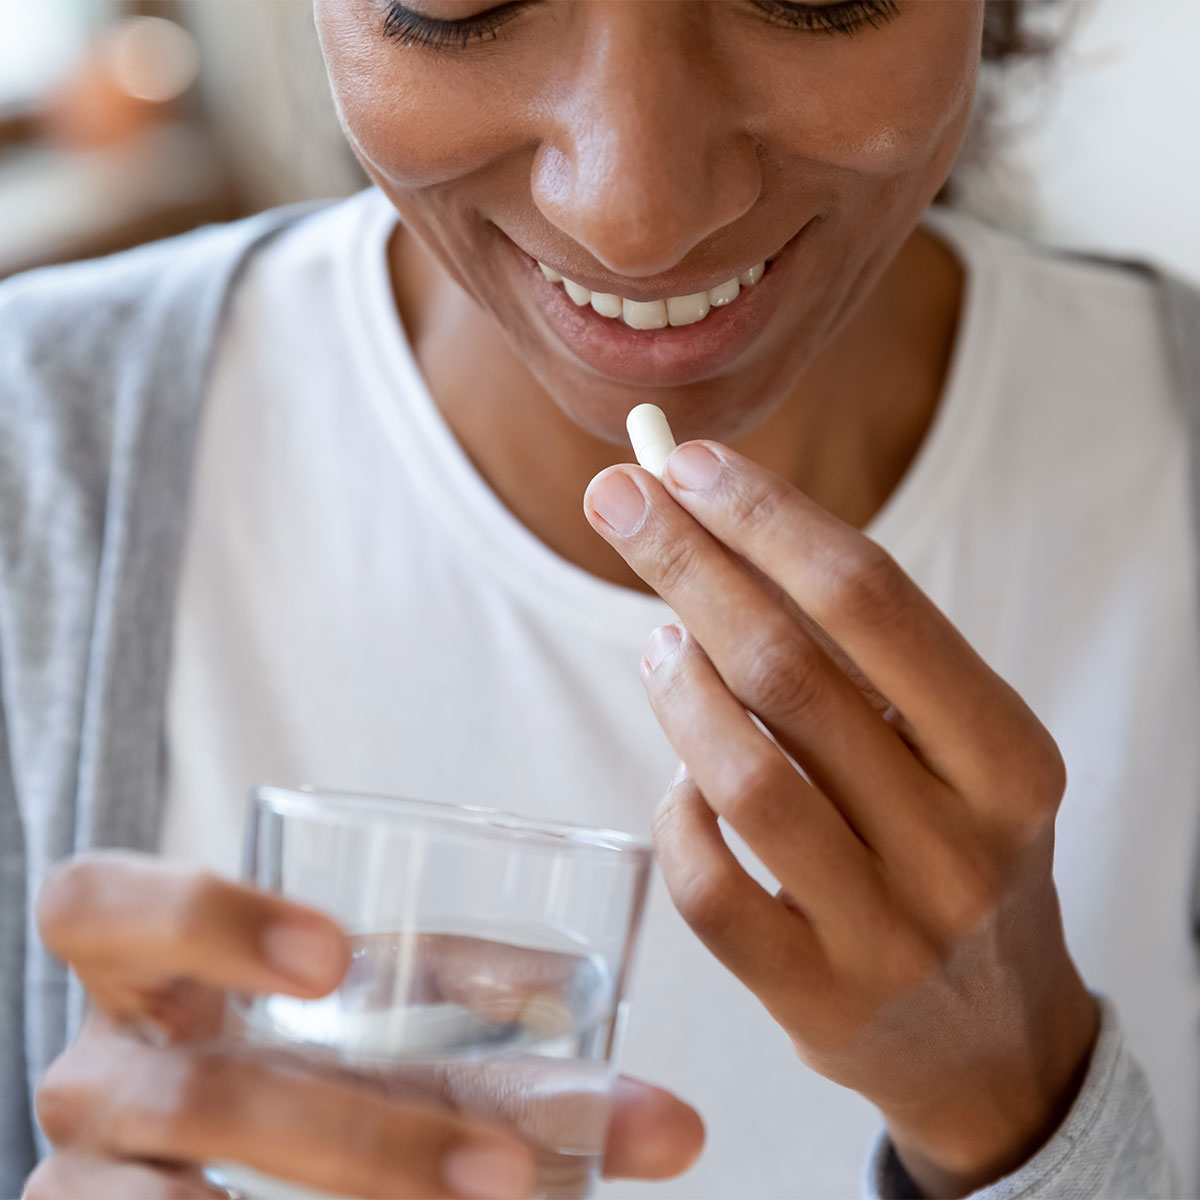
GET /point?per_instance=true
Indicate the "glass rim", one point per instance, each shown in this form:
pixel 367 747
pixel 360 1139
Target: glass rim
pixel 317 803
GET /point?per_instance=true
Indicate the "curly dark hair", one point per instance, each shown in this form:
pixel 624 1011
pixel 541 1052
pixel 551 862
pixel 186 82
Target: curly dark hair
pixel 1007 32
pixel 1016 34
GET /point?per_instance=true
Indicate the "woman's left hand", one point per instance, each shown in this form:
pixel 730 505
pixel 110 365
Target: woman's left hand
pixel 914 951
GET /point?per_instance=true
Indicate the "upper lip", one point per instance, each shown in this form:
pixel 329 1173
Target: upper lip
pixel 661 290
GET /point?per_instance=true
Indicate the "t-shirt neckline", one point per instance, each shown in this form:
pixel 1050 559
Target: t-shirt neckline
pixel 506 549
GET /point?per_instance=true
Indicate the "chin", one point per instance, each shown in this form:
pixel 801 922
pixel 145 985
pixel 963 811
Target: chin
pixel 722 410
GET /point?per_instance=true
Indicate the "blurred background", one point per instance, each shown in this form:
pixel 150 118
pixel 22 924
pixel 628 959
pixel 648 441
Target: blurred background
pixel 123 121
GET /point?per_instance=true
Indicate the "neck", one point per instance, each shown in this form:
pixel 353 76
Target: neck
pixel 845 436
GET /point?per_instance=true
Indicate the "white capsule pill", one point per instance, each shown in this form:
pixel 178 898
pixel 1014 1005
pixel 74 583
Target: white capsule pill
pixel 651 437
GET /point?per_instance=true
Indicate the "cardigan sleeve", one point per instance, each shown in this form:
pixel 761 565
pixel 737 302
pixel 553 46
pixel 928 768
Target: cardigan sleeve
pixel 17 1149
pixel 102 375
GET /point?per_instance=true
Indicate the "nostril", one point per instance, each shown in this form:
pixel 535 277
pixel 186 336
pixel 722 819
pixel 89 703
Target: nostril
pixel 639 218
pixel 631 245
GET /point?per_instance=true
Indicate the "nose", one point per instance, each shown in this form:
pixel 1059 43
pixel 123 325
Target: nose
pixel 644 157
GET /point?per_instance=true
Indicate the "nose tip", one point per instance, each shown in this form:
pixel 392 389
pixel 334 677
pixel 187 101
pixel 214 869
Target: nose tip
pixel 639 214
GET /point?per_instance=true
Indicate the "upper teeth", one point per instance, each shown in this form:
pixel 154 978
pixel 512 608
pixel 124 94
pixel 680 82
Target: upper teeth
pixel 656 314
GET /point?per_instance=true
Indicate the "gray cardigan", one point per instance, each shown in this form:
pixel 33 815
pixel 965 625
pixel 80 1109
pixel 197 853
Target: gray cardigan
pixel 103 369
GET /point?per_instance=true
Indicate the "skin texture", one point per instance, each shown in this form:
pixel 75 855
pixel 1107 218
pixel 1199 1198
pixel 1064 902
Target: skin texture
pixel 915 953
pixel 651 145
pixel 641 148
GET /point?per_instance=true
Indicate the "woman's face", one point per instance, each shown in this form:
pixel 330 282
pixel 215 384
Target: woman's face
pixel 652 149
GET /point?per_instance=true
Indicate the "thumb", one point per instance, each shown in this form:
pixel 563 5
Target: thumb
pixel 652 1135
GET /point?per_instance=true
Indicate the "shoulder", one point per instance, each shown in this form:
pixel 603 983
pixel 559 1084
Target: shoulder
pixel 79 341
pixel 95 318
pixel 1078 285
pixel 1091 322
pixel 102 367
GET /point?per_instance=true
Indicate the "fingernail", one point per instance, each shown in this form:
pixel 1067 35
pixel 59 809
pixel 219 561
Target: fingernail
pixel 619 502
pixel 311 956
pixel 664 641
pixel 681 773
pixel 694 467
pixel 488 1173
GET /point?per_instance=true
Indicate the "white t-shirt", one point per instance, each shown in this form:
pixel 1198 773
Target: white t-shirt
pixel 357 609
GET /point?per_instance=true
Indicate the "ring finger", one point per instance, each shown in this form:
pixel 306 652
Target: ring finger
pixel 790 825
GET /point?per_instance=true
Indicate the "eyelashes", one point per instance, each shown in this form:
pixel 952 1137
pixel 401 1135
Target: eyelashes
pixel 410 28
pixel 848 16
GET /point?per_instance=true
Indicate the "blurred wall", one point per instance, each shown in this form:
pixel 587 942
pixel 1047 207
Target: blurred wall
pixel 1105 154
pixel 265 89
pixel 1117 159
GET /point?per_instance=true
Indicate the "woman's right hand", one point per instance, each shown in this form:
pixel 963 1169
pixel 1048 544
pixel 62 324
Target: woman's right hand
pixel 147 1095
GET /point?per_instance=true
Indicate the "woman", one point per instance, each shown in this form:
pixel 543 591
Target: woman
pixel 299 499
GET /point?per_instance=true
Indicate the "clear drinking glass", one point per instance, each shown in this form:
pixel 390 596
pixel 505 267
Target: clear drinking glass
pixel 490 957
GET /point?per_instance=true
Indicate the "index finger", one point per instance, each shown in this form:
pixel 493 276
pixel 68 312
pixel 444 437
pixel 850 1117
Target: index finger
pixel 859 595
pixel 122 918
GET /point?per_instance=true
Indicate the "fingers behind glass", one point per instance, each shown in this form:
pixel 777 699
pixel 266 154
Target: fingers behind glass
pixel 118 1099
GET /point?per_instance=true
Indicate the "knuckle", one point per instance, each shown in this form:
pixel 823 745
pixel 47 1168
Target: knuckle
pixel 1047 773
pixel 666 818
pixel 57 1109
pixel 41 1185
pixel 199 893
pixel 864 586
pixel 66 892
pixel 759 793
pixel 207 1088
pixel 1031 792
pixel 783 676
pixel 702 897
pixel 672 690
pixel 756 776
pixel 913 957
pixel 192 1094
pixel 971 888
pixel 752 505
pixel 674 561
pixel 899 963
pixel 59 1100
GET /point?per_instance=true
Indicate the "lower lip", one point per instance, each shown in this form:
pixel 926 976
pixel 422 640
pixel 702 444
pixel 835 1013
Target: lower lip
pixel 666 357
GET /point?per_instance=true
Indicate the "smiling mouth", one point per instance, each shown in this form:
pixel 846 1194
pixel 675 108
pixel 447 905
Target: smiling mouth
pixel 661 341
pixel 658 314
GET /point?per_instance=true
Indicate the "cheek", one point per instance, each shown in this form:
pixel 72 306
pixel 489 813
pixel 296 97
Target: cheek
pixel 415 117
pixel 892 103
